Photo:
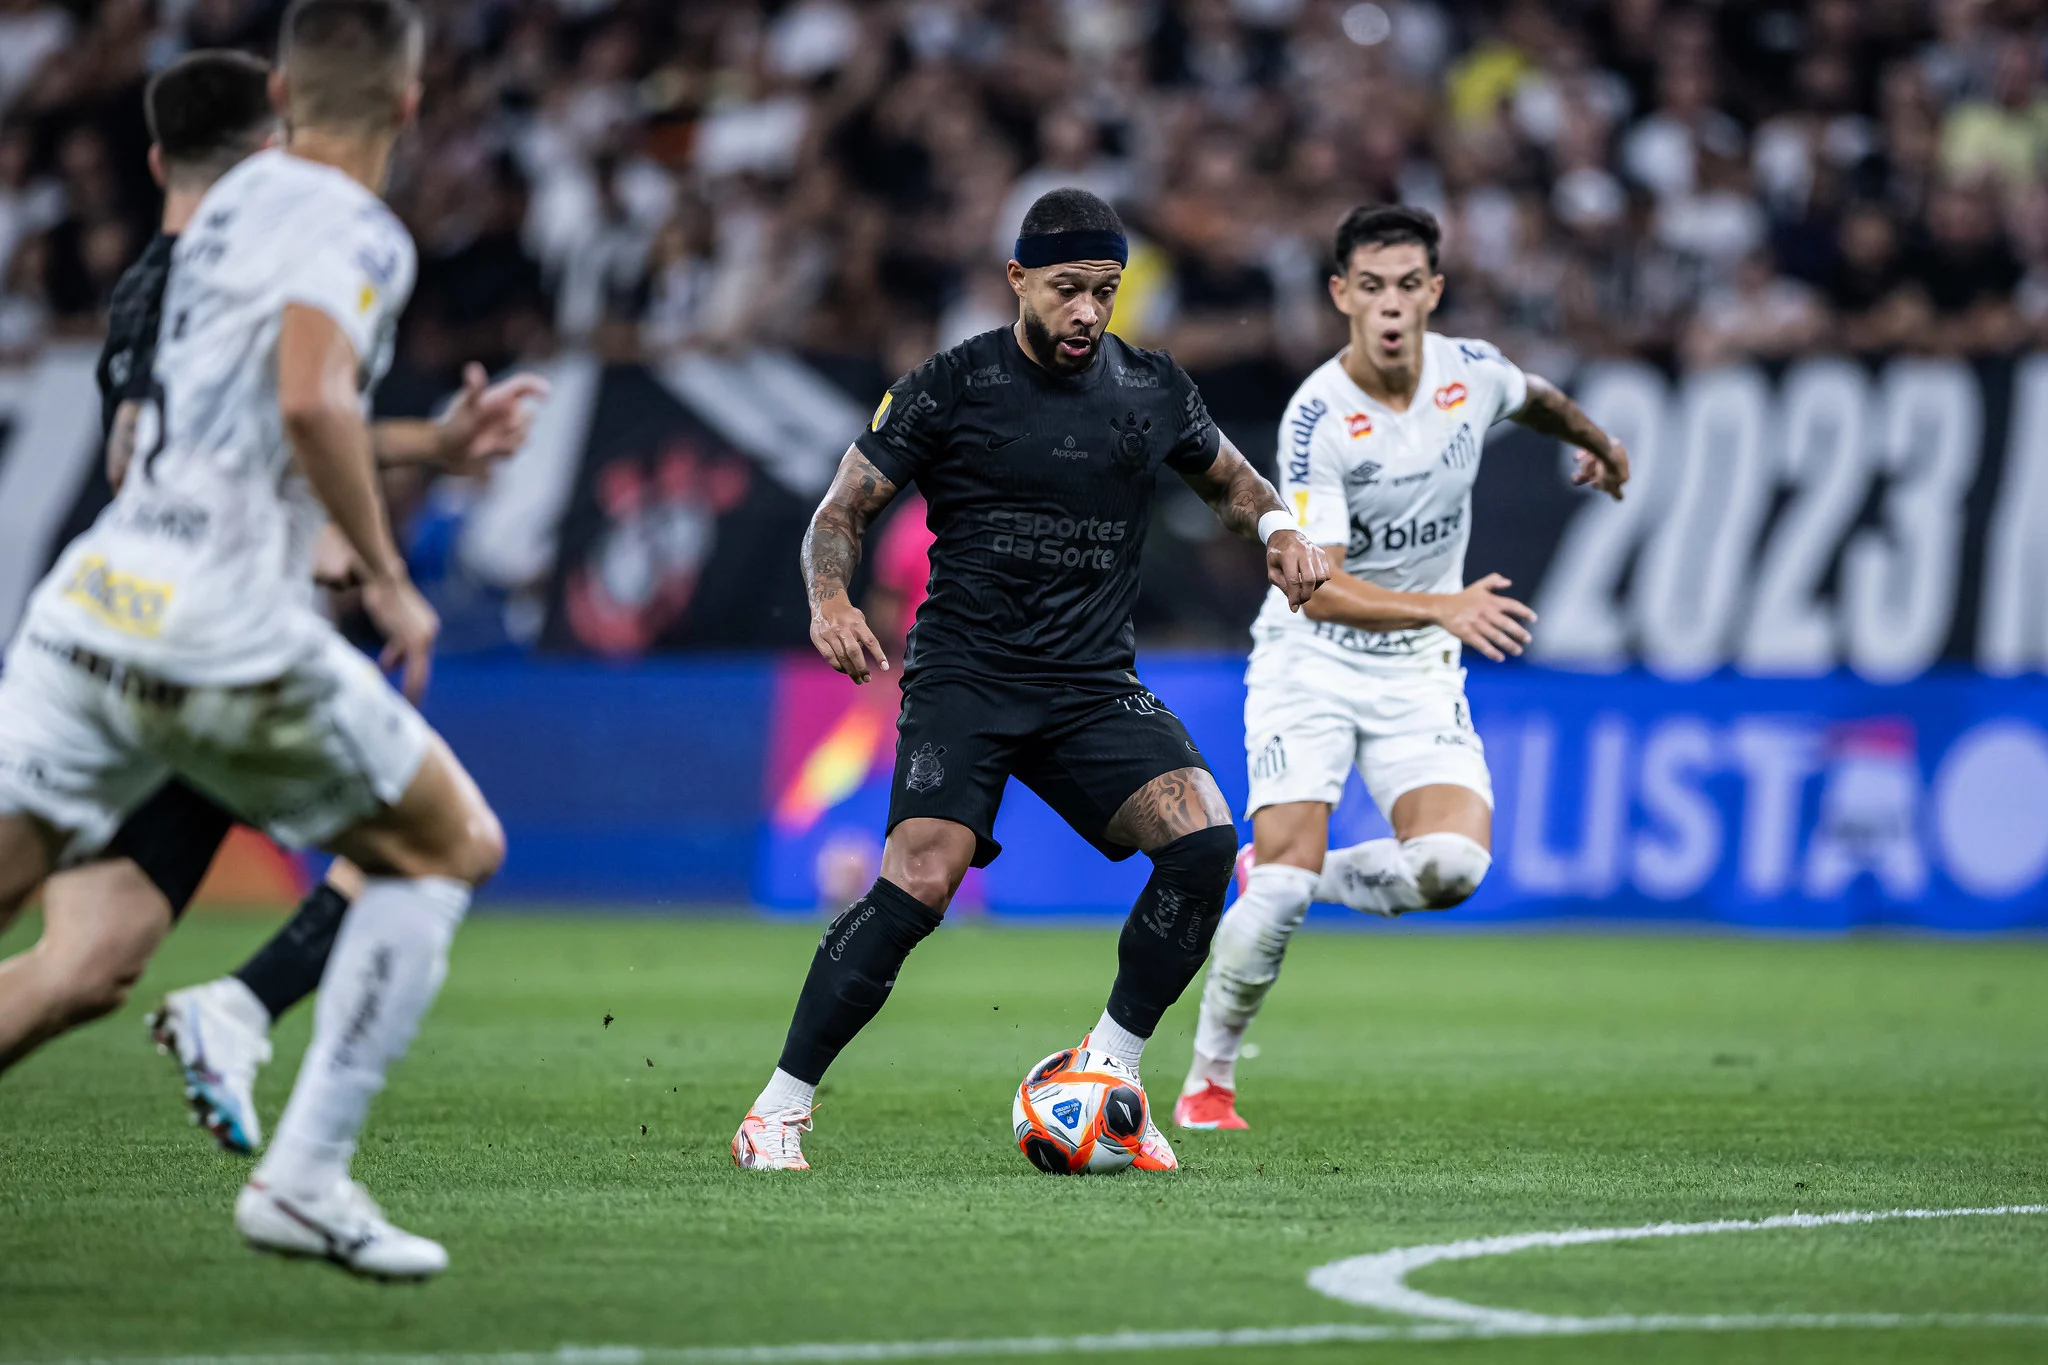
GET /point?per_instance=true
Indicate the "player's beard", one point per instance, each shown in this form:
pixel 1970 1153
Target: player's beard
pixel 1045 347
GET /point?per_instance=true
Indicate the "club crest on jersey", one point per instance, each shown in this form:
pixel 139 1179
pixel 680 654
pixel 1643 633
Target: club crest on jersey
pixel 1132 450
pixel 1358 424
pixel 1450 396
pixel 1462 450
pixel 881 412
pixel 926 772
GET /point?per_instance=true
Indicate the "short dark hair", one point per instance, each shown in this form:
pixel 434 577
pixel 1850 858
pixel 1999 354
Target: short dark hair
pixel 208 110
pixel 348 61
pixel 1069 209
pixel 1387 225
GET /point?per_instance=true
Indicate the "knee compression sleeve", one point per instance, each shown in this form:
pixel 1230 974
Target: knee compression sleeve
pixel 1446 868
pixel 1383 877
pixel 1166 939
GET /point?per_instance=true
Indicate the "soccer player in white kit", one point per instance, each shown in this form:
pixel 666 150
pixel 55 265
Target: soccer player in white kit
pixel 177 636
pixel 1378 453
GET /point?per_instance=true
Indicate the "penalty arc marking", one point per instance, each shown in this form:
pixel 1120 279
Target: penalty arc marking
pixel 1380 1280
pixel 1377 1281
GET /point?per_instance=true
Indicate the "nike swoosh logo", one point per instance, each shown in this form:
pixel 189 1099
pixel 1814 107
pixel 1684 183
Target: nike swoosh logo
pixel 994 444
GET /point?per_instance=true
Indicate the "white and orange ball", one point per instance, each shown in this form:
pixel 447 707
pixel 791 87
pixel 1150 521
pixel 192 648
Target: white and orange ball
pixel 1079 1111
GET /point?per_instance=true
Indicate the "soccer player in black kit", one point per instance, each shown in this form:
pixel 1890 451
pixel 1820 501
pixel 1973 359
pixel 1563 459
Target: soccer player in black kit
pixel 102 921
pixel 1036 447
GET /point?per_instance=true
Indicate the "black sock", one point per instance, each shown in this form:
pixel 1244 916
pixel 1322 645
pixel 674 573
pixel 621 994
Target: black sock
pixel 851 973
pixel 1166 939
pixel 286 969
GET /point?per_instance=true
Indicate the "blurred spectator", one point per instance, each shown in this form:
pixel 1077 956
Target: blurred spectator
pixel 29 203
pixel 1968 272
pixel 1640 176
pixel 1662 152
pixel 1876 307
pixel 24 302
pixel 2004 136
pixel 31 34
pixel 1758 314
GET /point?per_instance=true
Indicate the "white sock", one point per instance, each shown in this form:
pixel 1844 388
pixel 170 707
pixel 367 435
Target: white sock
pixel 232 994
pixel 1389 877
pixel 1244 962
pixel 388 964
pixel 784 1093
pixel 1119 1042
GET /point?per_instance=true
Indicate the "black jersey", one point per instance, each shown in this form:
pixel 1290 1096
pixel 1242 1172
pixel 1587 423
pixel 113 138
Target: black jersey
pixel 1039 488
pixel 133 316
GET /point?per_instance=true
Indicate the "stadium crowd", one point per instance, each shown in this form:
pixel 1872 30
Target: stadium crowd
pixel 1689 182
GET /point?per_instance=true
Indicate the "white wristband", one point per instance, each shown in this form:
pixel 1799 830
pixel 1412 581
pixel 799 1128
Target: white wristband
pixel 1275 521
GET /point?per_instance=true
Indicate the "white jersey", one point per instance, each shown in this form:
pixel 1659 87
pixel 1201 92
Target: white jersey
pixel 1393 488
pixel 200 570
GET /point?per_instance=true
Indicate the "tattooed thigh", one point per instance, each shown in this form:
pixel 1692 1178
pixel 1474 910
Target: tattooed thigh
pixel 1169 806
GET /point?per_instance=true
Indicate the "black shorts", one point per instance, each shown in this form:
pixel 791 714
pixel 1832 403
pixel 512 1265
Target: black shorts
pixel 172 837
pixel 1084 745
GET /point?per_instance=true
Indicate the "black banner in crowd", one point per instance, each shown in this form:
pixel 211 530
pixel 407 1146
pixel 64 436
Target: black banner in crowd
pixel 1783 521
pixel 672 538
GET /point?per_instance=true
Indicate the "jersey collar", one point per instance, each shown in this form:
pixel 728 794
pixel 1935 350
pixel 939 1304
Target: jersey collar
pixel 1424 386
pixel 1062 383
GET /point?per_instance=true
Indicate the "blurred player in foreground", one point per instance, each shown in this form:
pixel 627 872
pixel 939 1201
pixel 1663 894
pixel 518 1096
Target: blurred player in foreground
pixel 1379 450
pixel 1037 447
pixel 175 636
pixel 206 112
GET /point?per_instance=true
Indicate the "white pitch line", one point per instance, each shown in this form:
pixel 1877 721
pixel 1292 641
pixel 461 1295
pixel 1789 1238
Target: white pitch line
pixel 1374 1281
pixel 1114 1343
pixel 1380 1280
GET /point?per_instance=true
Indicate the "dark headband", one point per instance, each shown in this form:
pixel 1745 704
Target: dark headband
pixel 1057 248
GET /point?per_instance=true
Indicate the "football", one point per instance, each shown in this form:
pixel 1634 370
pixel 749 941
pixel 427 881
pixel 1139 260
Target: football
pixel 1077 1112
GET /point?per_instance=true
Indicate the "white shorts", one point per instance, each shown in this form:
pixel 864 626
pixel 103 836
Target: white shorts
pixel 304 757
pixel 1404 723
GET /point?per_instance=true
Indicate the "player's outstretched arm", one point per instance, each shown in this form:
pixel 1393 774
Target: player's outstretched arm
pixel 486 423
pixel 121 442
pixel 1243 500
pixel 831 550
pixel 1479 616
pixel 323 418
pixel 1601 460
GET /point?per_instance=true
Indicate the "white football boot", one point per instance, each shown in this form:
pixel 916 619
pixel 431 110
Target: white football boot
pixel 772 1142
pixel 344 1226
pixel 220 1034
pixel 1154 1153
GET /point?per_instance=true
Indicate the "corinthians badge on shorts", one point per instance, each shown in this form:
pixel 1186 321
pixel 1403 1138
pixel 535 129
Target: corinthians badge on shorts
pixel 926 772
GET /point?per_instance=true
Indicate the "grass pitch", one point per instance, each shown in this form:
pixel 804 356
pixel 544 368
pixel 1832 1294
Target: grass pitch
pixel 1409 1089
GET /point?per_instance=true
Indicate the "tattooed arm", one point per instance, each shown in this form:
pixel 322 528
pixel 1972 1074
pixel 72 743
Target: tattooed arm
pixel 1602 461
pixel 858 493
pixel 1240 496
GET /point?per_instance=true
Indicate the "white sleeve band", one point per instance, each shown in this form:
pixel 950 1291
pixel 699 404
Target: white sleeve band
pixel 1275 521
